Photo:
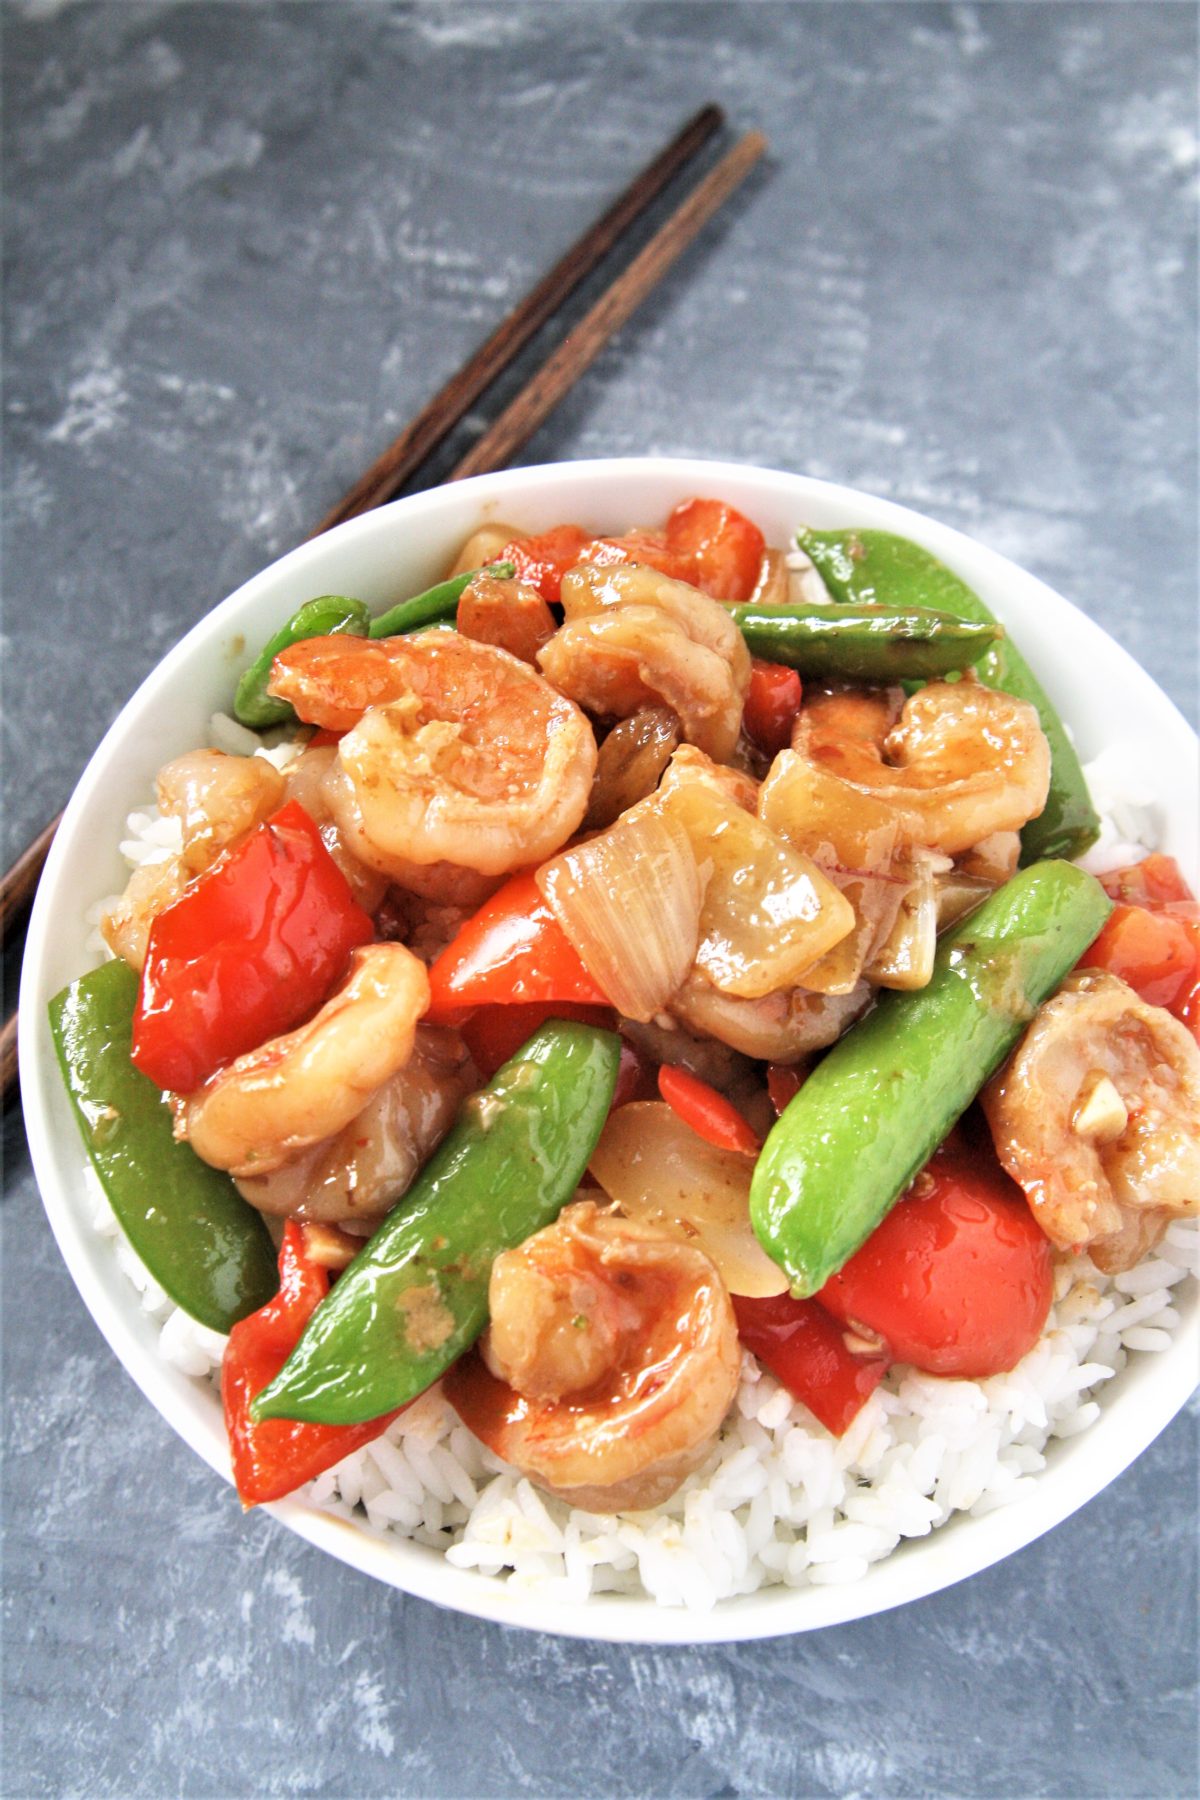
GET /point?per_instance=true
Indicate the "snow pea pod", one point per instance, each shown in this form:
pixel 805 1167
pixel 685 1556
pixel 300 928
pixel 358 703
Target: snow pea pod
pixel 204 1245
pixel 871 1113
pixel 862 566
pixel 865 642
pixel 327 616
pixel 416 1297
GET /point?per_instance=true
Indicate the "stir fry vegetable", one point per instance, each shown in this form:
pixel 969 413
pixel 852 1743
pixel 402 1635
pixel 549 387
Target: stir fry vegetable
pixel 199 1239
pixel 958 1277
pixel 513 951
pixel 416 1298
pixel 881 642
pixel 246 952
pixel 831 1369
pixel 273 1457
pixel 871 1114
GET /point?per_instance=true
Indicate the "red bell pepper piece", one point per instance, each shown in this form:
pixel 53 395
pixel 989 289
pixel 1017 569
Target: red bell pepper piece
pixel 494 1033
pixel 725 550
pixel 1156 951
pixel 710 1115
pixel 512 950
pixel 1151 939
pixel 647 547
pixel 805 1348
pixel 273 1457
pixel 772 702
pixel 1155 881
pixel 543 561
pixel 248 951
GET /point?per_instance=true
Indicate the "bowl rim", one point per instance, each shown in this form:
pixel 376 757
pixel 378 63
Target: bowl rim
pixel 1131 1417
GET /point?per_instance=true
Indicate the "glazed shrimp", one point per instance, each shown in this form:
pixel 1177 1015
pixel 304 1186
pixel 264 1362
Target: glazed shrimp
pixel 619 1349
pixel 307 782
pixel 634 638
pixel 357 1176
pixel 296 1090
pixel 961 763
pixel 1097 1116
pixel 455 752
pixel 216 799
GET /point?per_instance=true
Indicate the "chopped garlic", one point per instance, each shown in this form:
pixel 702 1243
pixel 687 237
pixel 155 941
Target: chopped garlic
pixel 1100 1113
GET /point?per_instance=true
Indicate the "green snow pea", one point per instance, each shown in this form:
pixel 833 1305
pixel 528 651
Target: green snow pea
pixel 873 1111
pixel 862 566
pixel 416 1297
pixel 204 1245
pixel 865 643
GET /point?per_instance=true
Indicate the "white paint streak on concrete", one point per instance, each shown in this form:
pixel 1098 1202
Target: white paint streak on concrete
pixel 28 495
pixel 292 1619
pixel 371 1715
pixel 96 403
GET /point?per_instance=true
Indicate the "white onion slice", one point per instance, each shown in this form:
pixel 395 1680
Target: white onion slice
pixel 905 959
pixel 769 913
pixel 629 902
pixel 660 1172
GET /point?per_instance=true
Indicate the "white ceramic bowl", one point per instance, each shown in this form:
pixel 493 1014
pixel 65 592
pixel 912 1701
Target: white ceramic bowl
pixel 382 558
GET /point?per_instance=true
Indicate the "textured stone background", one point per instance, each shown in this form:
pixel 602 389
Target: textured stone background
pixel 243 243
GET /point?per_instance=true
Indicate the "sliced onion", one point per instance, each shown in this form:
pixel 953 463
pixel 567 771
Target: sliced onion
pixel 629 902
pixel 661 1173
pixel 905 959
pixel 958 895
pixel 768 911
pixel 857 840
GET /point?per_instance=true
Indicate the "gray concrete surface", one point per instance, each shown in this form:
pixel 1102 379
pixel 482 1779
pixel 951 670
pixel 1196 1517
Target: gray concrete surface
pixel 243 242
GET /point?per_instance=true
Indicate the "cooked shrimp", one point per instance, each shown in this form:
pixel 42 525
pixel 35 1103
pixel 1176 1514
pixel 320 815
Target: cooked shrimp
pixel 296 1090
pixel 962 762
pixel 781 1027
pixel 484 546
pixel 357 1176
pixel 1097 1116
pixel 456 752
pixel 619 1349
pixel 307 782
pixel 217 799
pixel 633 638
pixel 510 614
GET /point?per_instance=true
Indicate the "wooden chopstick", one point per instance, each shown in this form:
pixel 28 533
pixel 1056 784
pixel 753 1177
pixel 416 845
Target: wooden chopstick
pixel 404 456
pixel 8 1055
pixel 526 412
pixel 581 346
pixel 19 882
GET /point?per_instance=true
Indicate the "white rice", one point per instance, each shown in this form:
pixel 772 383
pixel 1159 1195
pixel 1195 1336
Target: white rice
pixel 780 1501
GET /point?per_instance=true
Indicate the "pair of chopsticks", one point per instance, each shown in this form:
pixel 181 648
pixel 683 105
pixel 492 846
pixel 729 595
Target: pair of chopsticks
pixel 404 457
